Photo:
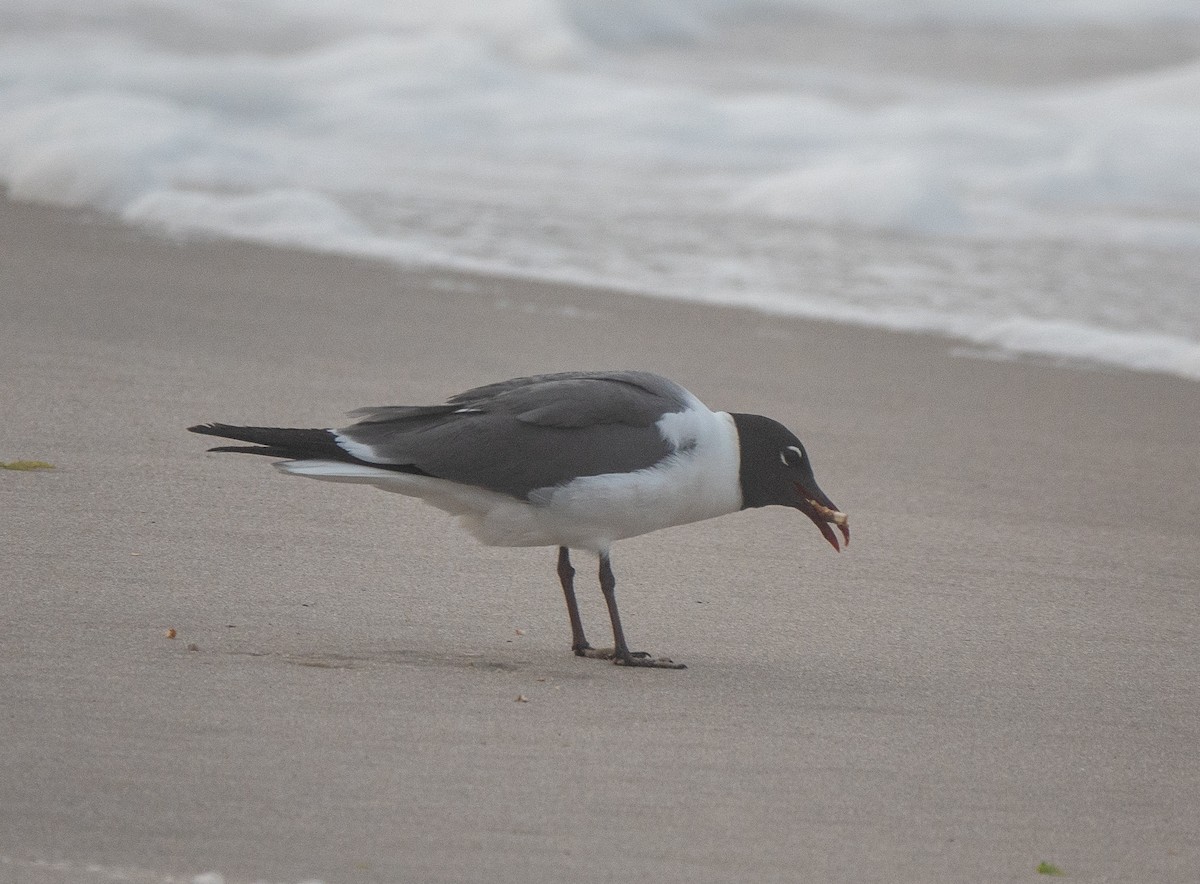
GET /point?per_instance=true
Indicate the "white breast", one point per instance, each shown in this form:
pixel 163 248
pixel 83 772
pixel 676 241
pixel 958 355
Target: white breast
pixel 698 482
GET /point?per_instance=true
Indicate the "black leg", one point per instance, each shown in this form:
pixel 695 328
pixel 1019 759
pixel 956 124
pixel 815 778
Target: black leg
pixel 566 576
pixel 621 653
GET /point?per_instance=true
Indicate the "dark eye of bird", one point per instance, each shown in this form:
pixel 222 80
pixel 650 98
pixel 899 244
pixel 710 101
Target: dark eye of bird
pixel 791 456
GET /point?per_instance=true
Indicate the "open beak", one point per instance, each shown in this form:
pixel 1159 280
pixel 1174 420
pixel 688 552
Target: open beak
pixel 814 504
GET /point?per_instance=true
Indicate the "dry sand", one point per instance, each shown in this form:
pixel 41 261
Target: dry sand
pixel 1002 670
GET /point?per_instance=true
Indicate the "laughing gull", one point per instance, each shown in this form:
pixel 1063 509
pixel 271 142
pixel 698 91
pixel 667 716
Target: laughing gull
pixel 576 460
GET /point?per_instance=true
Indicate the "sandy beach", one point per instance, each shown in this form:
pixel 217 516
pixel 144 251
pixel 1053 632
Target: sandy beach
pixel 1002 670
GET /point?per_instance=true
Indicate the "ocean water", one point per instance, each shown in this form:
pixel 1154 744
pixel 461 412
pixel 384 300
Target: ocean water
pixel 1023 175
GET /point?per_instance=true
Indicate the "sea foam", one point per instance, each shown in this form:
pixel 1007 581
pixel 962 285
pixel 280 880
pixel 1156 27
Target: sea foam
pixel 862 161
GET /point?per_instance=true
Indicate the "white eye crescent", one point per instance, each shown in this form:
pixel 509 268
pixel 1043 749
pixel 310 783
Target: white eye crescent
pixel 791 456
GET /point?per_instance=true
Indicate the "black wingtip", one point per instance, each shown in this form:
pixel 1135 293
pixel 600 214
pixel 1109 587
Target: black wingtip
pixel 291 443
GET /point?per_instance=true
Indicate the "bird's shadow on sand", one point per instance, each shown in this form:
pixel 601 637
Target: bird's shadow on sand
pixel 404 657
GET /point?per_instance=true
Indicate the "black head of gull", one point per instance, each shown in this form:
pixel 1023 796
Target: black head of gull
pixel 576 460
pixel 775 471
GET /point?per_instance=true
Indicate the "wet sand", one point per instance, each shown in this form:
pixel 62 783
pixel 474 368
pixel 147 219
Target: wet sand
pixel 1002 670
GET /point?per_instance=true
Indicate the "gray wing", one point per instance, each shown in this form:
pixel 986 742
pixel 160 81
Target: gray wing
pixel 521 435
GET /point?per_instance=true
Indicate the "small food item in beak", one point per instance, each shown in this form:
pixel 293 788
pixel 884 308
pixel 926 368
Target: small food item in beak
pixel 835 516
